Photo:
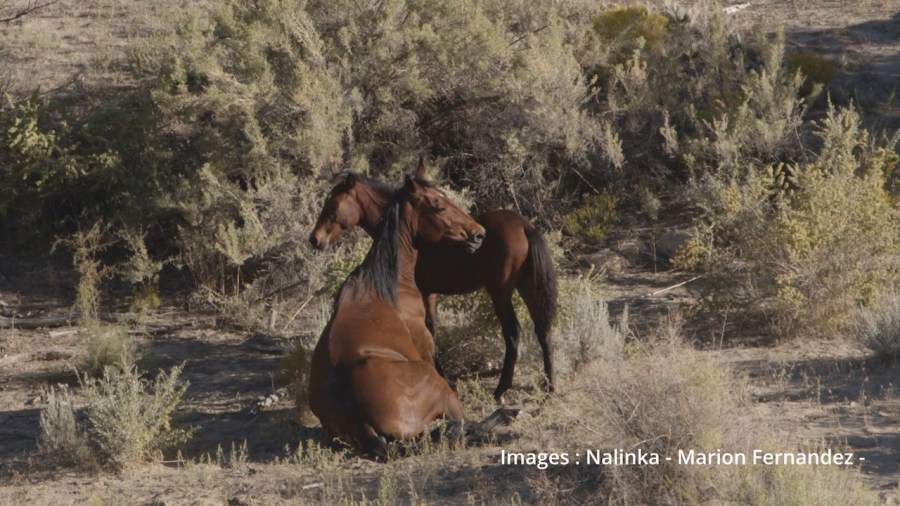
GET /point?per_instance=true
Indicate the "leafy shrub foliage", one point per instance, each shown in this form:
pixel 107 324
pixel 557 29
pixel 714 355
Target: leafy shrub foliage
pixel 590 222
pixel 663 398
pixel 126 420
pixel 815 68
pixel 879 325
pixel 240 114
pixel 822 245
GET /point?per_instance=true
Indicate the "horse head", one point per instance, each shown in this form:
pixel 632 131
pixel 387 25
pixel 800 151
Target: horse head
pixel 341 211
pixel 438 218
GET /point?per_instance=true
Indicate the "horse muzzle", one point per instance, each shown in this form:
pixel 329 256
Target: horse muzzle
pixel 317 243
pixel 474 242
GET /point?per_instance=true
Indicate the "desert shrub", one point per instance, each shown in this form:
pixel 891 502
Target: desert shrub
pixel 107 346
pixel 141 270
pixel 294 373
pixel 44 160
pixel 63 440
pixel 816 69
pixel 125 420
pixel 468 337
pixel 261 115
pixel 345 260
pixel 879 325
pixel 663 398
pixel 886 161
pixel 590 222
pixel 130 417
pixel 755 122
pixel 817 239
pixel 624 30
pixel 583 333
pixel 506 134
pixel 693 254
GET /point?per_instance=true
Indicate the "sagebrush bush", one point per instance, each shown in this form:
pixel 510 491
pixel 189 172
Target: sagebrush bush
pixel 125 420
pixel 583 332
pixel 818 239
pixel 663 398
pixel 879 325
pixel 63 440
pixel 106 346
pixel 593 220
pixel 130 418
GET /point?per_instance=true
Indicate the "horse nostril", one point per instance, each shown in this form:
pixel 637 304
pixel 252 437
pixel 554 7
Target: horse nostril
pixel 313 240
pixel 478 237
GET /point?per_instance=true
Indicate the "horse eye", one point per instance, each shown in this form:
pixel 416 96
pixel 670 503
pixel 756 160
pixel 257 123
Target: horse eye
pixel 439 210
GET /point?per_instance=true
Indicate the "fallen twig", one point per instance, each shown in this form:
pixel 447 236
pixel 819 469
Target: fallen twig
pixel 735 8
pixel 671 287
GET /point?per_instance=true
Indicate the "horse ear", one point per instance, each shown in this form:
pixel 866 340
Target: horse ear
pixel 350 179
pixel 410 185
pixel 420 170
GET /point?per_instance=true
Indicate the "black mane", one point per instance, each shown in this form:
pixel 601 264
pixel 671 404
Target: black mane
pixel 379 269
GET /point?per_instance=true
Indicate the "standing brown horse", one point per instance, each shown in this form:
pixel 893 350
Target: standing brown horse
pixel 373 373
pixel 514 256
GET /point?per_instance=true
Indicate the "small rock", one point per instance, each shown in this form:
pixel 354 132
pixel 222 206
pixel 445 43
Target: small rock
pixel 669 242
pixel 605 259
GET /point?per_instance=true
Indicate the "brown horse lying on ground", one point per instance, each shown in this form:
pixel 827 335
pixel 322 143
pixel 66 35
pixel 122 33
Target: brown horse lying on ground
pixel 514 256
pixel 373 375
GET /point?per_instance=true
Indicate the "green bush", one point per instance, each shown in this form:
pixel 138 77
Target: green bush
pixel 126 420
pixel 624 30
pixel 664 398
pixel 879 325
pixel 45 164
pixel 819 247
pixel 107 346
pixel 130 417
pixel 593 220
pixel 816 69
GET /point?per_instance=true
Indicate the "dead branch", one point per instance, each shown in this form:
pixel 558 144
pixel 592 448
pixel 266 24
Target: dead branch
pixel 31 7
pixel 50 321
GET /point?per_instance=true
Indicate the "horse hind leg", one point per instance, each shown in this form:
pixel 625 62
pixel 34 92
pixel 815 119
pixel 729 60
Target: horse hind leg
pixel 537 285
pixel 509 324
pixel 542 330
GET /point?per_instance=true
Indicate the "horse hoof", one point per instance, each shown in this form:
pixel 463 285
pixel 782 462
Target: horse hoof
pixel 376 446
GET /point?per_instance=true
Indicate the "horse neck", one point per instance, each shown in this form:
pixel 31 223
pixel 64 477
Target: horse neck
pixel 372 204
pixel 407 254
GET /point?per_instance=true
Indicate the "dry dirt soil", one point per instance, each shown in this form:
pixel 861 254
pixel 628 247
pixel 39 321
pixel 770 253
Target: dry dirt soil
pixel 806 390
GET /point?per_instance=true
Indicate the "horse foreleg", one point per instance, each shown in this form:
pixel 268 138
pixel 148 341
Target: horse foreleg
pixel 509 324
pixel 430 301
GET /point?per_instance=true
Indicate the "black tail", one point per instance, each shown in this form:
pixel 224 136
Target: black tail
pixel 539 290
pixel 538 284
